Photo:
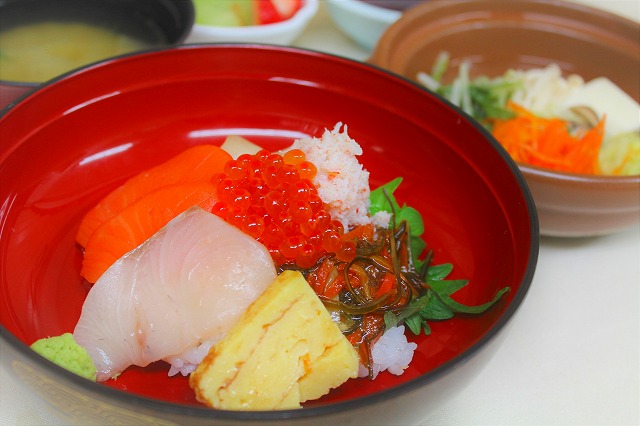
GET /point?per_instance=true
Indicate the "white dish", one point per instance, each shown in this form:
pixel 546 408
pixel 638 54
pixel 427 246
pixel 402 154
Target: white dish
pixel 362 22
pixel 281 33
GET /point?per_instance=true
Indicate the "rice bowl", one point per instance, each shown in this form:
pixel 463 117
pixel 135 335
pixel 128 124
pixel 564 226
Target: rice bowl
pixel 505 210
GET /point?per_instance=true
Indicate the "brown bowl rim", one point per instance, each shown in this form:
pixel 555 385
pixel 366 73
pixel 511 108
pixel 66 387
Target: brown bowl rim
pixel 528 169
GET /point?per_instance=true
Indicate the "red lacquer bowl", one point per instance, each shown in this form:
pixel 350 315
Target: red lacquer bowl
pixel 69 143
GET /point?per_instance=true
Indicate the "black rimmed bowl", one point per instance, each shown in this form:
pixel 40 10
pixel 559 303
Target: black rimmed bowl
pixel 152 23
pixel 122 116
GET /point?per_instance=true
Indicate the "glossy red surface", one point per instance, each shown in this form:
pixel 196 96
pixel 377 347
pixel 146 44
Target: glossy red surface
pixel 11 91
pixel 71 142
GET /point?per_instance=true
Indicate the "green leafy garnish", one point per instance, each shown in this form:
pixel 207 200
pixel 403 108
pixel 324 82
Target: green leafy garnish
pixel 435 309
pixel 440 66
pixel 443 292
pixel 382 199
pixel 414 308
pixel 435 303
pixel 439 272
pixel 488 98
pixel 483 98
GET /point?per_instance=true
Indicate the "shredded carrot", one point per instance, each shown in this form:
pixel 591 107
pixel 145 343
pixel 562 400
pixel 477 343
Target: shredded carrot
pixel 386 285
pixel 334 288
pixel 318 280
pixel 548 142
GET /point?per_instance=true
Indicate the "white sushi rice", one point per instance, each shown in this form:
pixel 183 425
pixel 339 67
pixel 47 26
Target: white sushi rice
pixel 341 180
pixel 391 352
pixel 186 362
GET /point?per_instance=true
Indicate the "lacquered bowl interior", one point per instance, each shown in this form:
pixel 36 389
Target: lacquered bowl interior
pixel 71 142
pixel 497 35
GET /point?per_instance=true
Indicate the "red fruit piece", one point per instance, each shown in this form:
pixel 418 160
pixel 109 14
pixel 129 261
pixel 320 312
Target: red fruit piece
pixel 286 8
pixel 272 11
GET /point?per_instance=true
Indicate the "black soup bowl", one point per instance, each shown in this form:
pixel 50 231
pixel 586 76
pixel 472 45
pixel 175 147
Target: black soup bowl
pixel 131 25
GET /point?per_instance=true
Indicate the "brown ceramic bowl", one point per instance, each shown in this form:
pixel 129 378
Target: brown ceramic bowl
pixel 497 35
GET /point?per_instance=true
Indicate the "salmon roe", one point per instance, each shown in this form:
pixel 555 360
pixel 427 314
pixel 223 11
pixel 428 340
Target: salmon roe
pixel 272 198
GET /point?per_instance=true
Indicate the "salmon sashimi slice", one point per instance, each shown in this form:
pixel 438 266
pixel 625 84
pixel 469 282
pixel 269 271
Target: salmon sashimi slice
pixel 196 164
pixel 139 221
pixel 174 296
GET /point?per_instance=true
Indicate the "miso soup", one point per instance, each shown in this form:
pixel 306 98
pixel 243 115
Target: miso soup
pixel 39 51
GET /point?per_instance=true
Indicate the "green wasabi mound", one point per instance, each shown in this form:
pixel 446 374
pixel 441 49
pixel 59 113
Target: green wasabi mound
pixel 64 351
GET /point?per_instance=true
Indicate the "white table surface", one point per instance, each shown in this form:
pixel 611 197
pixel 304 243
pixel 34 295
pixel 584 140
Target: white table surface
pixel 572 356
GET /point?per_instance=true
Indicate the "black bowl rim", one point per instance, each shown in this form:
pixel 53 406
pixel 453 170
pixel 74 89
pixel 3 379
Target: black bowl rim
pixel 204 413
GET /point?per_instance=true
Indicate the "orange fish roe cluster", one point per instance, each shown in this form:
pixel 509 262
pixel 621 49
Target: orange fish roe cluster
pixel 272 198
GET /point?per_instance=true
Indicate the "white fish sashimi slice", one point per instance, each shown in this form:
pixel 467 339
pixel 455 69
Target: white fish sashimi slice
pixel 174 296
